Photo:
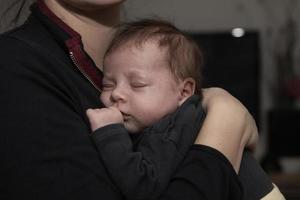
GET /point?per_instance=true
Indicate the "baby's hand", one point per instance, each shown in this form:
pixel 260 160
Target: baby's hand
pixel 104 116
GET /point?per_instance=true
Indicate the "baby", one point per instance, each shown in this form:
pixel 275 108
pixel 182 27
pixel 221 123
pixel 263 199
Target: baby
pixel 151 74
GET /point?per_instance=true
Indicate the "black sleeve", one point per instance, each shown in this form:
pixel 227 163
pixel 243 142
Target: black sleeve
pixel 255 181
pixel 205 174
pixel 145 172
pixel 45 148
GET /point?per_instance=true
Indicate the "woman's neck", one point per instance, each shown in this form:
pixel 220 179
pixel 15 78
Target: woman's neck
pixel 95 26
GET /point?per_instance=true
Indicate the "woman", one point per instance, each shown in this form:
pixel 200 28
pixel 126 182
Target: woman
pixel 50 74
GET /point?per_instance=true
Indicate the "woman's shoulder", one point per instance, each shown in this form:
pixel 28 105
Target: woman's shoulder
pixel 27 48
pixel 14 49
pixel 30 36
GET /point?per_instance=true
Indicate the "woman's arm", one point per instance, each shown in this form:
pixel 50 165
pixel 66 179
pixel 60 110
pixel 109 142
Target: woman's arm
pixel 205 172
pixel 228 126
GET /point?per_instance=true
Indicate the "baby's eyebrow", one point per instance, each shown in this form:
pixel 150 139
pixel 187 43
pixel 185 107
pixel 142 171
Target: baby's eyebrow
pixel 137 75
pixel 106 78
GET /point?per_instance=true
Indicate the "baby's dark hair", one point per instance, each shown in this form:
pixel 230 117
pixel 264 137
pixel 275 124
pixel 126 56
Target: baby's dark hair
pixel 183 54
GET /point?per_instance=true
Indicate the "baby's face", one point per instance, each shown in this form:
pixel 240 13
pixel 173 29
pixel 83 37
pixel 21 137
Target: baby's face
pixel 139 83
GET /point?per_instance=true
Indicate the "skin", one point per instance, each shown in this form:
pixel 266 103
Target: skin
pixel 225 128
pixel 137 81
pixel 92 19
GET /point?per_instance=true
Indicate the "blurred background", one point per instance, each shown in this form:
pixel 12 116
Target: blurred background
pixel 252 49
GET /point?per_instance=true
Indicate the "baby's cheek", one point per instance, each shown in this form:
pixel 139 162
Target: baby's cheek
pixel 149 118
pixel 104 97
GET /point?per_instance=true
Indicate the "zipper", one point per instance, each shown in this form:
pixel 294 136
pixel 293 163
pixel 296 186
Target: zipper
pixel 82 72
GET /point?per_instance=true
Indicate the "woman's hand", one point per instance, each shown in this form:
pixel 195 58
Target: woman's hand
pixel 228 126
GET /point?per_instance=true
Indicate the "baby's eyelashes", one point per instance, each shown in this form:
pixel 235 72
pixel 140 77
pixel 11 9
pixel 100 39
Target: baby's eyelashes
pixel 107 86
pixel 138 84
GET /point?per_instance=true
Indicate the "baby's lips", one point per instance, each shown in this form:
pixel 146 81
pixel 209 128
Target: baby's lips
pixel 125 116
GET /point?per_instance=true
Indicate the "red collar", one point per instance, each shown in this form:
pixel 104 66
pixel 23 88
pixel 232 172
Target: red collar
pixel 79 57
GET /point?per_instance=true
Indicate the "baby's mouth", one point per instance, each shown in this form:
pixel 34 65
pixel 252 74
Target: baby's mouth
pixel 125 116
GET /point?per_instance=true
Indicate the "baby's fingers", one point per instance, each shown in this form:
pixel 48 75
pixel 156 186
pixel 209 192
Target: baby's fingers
pixel 92 113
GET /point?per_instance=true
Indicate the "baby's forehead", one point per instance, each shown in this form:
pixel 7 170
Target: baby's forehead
pixel 134 48
pixel 136 44
pixel 146 51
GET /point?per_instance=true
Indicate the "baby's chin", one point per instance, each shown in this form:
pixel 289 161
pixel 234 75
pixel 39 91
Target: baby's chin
pixel 132 128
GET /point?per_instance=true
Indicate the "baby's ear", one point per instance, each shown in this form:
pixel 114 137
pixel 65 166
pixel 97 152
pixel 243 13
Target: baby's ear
pixel 187 89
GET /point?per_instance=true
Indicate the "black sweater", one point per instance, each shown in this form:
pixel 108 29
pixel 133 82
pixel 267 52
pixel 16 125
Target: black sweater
pixel 142 169
pixel 47 82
